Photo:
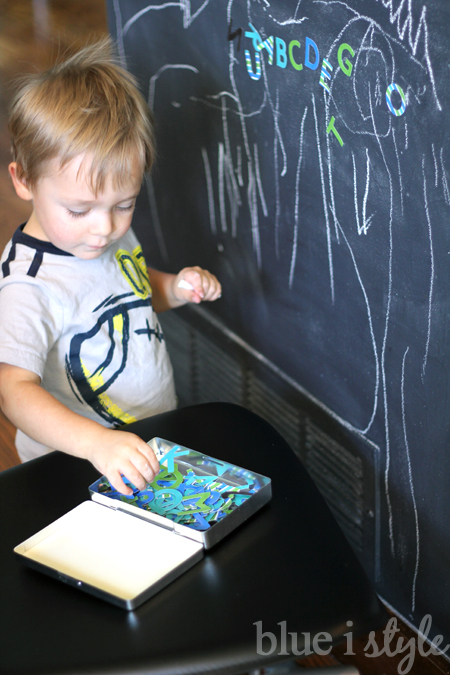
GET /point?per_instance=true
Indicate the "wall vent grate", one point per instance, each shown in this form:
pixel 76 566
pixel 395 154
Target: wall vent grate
pixel 212 364
pixel 179 338
pixel 263 400
pixel 338 474
pixel 217 375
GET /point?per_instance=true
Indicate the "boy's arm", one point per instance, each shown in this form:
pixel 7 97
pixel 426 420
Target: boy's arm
pixel 167 294
pixel 42 417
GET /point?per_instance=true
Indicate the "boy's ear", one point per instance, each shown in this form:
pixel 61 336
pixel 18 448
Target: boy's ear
pixel 20 184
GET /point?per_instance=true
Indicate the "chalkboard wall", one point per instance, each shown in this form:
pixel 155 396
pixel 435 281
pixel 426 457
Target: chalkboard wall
pixel 304 158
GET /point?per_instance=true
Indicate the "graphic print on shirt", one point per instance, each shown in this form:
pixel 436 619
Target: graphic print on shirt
pixel 109 336
pixel 134 269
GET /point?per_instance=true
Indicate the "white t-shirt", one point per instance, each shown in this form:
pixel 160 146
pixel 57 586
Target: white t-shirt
pixel 87 328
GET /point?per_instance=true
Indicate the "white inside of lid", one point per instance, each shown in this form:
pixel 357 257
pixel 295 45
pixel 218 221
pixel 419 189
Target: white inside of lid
pixel 115 552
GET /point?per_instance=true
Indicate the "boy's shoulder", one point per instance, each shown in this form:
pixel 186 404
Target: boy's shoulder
pixel 28 262
pixel 22 248
pixel 26 259
pixel 28 245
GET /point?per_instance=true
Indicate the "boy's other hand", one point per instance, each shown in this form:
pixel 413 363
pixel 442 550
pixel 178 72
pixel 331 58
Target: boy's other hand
pixel 120 453
pixel 197 285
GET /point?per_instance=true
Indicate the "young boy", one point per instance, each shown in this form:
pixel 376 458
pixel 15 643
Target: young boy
pixel 81 350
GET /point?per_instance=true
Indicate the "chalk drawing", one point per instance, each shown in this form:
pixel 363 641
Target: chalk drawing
pixel 411 486
pixel 444 179
pixel 157 75
pixel 239 166
pixel 296 205
pixel 289 22
pixel 386 328
pixel 119 33
pixel 436 170
pixel 223 215
pixel 184 5
pixel 210 189
pixel 364 227
pixel 148 179
pixel 325 206
pixel 430 295
pixel 372 336
pixel 413 40
pixel 232 187
pixel 247 170
pixel 143 11
pixel 366 220
pixel 252 201
pixel 399 170
pixel 259 182
pixel 296 9
pixel 188 17
pixel 277 179
pixel 155 217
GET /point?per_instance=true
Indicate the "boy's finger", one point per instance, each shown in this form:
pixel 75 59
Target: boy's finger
pixel 151 460
pixel 200 288
pixel 116 481
pixel 196 292
pixel 135 474
pixel 204 285
pixel 148 470
pixel 214 290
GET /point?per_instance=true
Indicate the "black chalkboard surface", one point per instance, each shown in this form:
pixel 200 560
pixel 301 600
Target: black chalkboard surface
pixel 303 158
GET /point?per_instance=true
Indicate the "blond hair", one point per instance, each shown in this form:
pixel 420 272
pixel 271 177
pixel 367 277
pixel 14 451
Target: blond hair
pixel 87 104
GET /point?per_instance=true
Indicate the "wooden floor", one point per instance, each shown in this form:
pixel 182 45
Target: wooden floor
pixel 32 34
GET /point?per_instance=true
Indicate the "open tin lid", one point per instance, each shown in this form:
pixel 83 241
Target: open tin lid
pixel 110 555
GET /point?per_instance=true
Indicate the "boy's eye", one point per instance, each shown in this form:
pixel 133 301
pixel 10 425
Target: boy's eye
pixel 80 214
pixel 77 214
pixel 125 208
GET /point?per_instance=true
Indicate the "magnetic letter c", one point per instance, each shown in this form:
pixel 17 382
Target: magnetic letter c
pixel 292 44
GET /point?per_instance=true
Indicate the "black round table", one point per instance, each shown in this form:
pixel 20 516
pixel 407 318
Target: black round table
pixel 288 569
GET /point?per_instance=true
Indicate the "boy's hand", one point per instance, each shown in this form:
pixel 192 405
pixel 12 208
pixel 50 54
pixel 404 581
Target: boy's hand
pixel 48 421
pixel 120 453
pixel 193 284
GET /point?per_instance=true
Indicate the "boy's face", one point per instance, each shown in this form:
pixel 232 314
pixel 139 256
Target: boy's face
pixel 69 215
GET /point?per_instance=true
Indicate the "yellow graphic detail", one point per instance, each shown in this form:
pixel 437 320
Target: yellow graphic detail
pixel 118 323
pixel 134 269
pixel 96 381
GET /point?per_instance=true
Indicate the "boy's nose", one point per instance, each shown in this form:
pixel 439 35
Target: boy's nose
pixel 104 224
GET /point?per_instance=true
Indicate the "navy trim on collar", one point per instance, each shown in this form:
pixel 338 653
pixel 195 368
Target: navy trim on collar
pixel 20 237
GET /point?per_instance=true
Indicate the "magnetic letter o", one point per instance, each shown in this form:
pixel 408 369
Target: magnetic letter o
pixel 395 111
